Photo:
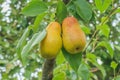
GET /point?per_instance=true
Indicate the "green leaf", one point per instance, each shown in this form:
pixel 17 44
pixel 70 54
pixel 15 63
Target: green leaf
pixel 34 8
pixel 104 30
pixel 36 39
pixel 102 5
pixel 60 58
pixel 83 72
pixel 114 64
pixel 59 68
pixel 117 47
pixel 106 4
pixel 117 11
pixel 59 76
pixel 92 58
pixel 61 11
pixel 117 78
pixel 73 59
pixel 3 61
pixel 37 21
pixel 99 4
pixel 83 9
pixel 85 29
pixel 107 46
pixel 22 41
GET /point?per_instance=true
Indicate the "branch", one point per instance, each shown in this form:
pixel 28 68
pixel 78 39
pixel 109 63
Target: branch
pixel 66 1
pixel 94 70
pixel 48 67
pixel 97 31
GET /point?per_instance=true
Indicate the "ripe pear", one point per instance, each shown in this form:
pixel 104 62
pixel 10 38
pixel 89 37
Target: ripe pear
pixel 74 39
pixel 52 43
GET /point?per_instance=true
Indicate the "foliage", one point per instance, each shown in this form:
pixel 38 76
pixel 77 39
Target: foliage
pixel 22 27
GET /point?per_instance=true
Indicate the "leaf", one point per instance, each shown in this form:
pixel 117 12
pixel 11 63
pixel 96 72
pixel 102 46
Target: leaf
pixel 61 11
pixel 104 30
pixel 117 11
pixel 107 46
pixel 83 9
pixel 117 47
pixel 93 59
pixel 59 68
pixel 37 21
pixel 113 64
pixel 73 59
pixel 85 29
pixel 102 5
pixel 106 4
pixel 22 41
pixel 34 8
pixel 2 61
pixel 117 78
pixel 83 72
pixel 99 4
pixel 60 58
pixel 59 76
pixel 37 38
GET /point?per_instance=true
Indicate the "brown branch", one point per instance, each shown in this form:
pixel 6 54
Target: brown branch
pixel 94 70
pixel 97 31
pixel 66 1
pixel 48 67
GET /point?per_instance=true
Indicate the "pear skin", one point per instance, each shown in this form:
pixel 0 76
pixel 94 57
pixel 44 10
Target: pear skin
pixel 52 43
pixel 74 39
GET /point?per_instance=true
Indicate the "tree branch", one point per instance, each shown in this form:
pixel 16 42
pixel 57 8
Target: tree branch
pixel 48 67
pixel 97 31
pixel 66 1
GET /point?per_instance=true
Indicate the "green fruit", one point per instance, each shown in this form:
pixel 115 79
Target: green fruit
pixel 52 43
pixel 74 39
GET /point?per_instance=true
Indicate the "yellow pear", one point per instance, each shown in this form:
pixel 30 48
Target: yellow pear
pixel 52 43
pixel 74 39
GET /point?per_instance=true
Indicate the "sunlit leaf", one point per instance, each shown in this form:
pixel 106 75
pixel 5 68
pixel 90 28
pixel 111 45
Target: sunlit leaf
pixel 102 5
pixel 117 47
pixel 98 4
pixel 113 64
pixel 60 59
pixel 34 8
pixel 117 11
pixel 106 4
pixel 86 29
pixel 22 41
pixel 59 68
pixel 36 39
pixel 104 30
pixel 59 76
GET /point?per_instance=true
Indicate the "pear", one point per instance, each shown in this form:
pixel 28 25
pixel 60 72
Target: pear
pixel 52 43
pixel 74 39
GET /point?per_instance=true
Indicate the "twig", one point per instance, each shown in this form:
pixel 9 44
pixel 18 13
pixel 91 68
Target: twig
pixel 94 70
pixel 66 1
pixel 96 31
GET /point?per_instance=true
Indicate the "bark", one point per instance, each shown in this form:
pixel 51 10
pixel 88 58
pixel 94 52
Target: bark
pixel 48 67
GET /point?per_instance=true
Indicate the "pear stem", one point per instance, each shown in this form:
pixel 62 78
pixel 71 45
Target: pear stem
pixel 48 67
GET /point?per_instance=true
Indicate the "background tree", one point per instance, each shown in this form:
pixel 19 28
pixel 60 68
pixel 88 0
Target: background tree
pixel 22 28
